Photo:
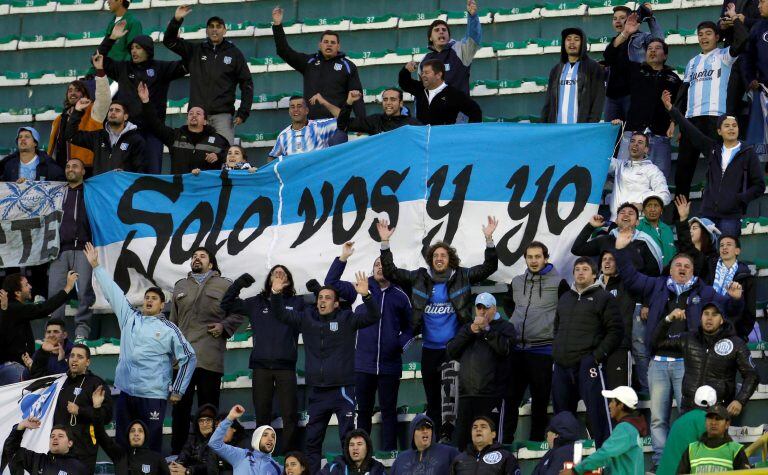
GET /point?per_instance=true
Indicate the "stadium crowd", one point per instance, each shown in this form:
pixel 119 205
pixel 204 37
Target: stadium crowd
pixel 656 310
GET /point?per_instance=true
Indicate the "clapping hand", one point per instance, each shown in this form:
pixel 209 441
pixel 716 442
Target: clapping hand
pixel 143 92
pixel 97 397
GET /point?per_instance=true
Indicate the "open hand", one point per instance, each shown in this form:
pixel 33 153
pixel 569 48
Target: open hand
pixel 182 11
pixel 277 15
pixel 683 207
pixel 489 228
pixel 91 254
pixel 120 30
pixel 97 397
pixel 143 92
pixel 382 226
pixel 347 250
pixel 361 283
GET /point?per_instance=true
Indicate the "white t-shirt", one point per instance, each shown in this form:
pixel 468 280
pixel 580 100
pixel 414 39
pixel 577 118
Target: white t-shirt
pixel 431 94
pixel 728 154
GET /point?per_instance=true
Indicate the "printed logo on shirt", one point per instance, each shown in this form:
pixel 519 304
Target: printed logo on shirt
pixel 765 36
pixel 204 58
pixel 150 73
pixel 211 139
pixel 568 82
pixel 154 416
pixel 724 347
pixel 705 75
pixel 492 458
pixel 439 308
pixel 157 335
pixel 334 326
pixel 145 468
pixel 123 146
pixel 615 292
pixel 227 60
pixel 77 391
pixel 447 67
pixel 61 472
pixel 337 66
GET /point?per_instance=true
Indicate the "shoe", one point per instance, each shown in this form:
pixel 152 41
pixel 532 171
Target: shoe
pixel 80 340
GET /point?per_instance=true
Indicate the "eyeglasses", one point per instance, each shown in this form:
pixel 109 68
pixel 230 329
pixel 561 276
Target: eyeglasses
pixel 205 420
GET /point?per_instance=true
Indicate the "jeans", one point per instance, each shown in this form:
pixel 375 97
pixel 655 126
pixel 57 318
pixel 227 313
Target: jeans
pixel 57 278
pixel 727 226
pixel 639 351
pixel 153 153
pixel 659 153
pixel 11 372
pixel 616 108
pixel 224 125
pixel 666 382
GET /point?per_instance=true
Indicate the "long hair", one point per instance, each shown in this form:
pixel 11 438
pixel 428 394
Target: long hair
pixel 289 290
pixel 302 461
pixel 81 87
pixel 453 256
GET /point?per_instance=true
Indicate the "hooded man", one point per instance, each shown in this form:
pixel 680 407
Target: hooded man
pixel 637 178
pixel 563 431
pixel 715 451
pixel 576 87
pixel 142 68
pixel 28 162
pixel 484 455
pixel 255 461
pixel 357 459
pixel 59 458
pixel 426 456
pixel 196 457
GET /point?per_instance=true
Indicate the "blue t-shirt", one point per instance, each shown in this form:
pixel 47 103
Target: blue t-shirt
pixel 440 322
pixel 29 170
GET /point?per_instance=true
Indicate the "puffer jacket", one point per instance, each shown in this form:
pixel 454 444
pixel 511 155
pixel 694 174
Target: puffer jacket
pixel 531 303
pixel 481 357
pixel 459 284
pixel 587 323
pixel 713 360
pixel 637 180
pixel 492 460
pixel 343 464
pixel 195 306
pixel 133 460
pixel 434 460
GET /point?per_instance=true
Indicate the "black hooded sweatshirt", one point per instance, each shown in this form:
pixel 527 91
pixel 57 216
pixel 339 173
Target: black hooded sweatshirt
pixel 135 460
pixel 591 84
pixel 343 464
pixel 196 456
pixel 157 75
pixel 18 459
pixel 568 430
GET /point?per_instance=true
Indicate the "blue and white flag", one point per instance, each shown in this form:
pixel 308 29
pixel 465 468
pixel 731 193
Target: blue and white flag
pixel 542 182
pixel 30 214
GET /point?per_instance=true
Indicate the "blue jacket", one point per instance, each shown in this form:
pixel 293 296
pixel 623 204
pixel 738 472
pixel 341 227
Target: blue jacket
pixel 243 461
pixel 568 430
pixel 148 348
pixel 47 169
pixel 379 347
pixel 755 62
pixel 435 460
pixel 655 291
pixel 458 55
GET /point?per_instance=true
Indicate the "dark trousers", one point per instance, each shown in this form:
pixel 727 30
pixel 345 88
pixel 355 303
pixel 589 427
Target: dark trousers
pixel 323 403
pixel 208 386
pixel 618 369
pixel 267 382
pixel 584 381
pixel 469 408
pixel 149 411
pixel 153 153
pixel 431 377
pixel 688 154
pixel 366 386
pixel 530 371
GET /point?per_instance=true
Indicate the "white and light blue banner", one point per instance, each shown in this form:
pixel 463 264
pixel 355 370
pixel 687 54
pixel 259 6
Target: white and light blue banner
pixel 542 182
pixel 30 214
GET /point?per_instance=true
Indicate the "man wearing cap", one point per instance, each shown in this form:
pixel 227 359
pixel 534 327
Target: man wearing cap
pixel 652 225
pixel 142 67
pixel 425 455
pixel 622 452
pixel 28 163
pixel 254 461
pixel 715 451
pixel 627 46
pixel 483 455
pixel 685 430
pixel 712 354
pixel 481 348
pixel 216 68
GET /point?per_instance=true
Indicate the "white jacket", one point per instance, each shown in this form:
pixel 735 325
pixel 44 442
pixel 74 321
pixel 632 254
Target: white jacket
pixel 637 180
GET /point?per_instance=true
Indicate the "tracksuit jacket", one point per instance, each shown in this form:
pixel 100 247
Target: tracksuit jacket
pixel 329 340
pixel 378 347
pixel 20 460
pixel 47 169
pixel 445 105
pixel 132 460
pixel 622 452
pixel 333 78
pixel 457 56
pixel 126 154
pixel 434 460
pixel 243 461
pixel 215 72
pixel 148 346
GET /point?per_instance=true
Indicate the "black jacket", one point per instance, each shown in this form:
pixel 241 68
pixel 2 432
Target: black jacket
pixel 459 284
pixel 586 324
pixel 188 149
pixel 713 360
pixel 645 86
pixel 626 305
pixel 20 459
pixel 372 124
pixel 343 464
pixel 196 456
pixel 591 84
pixel 329 340
pixel 75 229
pixel 482 358
pixel 214 73
pixel 134 460
pixel 16 337
pixel 332 78
pixel 685 244
pixel 445 106
pixel 492 460
pixel 47 169
pixel 127 153
pixel 642 257
pixel 275 343
pixel 727 193
pixel 157 75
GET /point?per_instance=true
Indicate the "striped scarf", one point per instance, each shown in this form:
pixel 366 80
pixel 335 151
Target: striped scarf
pixel 724 277
pixel 680 289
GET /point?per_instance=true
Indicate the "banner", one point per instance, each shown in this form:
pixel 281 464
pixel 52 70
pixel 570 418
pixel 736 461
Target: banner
pixel 542 182
pixel 37 398
pixel 30 214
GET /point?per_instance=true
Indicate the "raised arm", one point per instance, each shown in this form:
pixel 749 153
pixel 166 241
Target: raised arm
pixel 113 450
pixel 490 264
pixel 112 292
pixel 103 94
pixel 166 134
pixel 406 82
pixel 289 317
pixel 345 289
pixel 171 38
pixel 73 134
pixel 467 47
pixel 582 245
pixel 231 302
pixel 392 272
pixel 295 59
pixel 231 454
pixel 701 141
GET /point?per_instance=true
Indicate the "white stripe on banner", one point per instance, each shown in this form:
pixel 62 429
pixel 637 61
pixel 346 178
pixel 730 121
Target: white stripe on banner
pixel 433 183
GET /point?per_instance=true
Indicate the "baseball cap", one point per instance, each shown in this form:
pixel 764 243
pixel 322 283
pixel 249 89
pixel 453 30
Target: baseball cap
pixel 719 411
pixel 624 394
pixel 706 396
pixel 424 423
pixel 216 19
pixel 485 299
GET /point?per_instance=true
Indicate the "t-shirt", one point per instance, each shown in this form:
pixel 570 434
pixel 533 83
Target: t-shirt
pixel 440 322
pixel 728 154
pixel 707 77
pixel 568 95
pixel 29 170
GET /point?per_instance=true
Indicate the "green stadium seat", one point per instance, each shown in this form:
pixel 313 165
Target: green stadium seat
pixel 12 116
pixel 40 41
pixel 517 48
pixel 171 3
pixel 187 31
pixel 665 4
pixel 318 25
pixel 460 18
pixel 84 38
pixel 529 12
pixel 79 5
pixel 380 22
pixel 242 29
pixel 11 78
pixel 605 7
pixel 31 6
pixel 563 9
pixel 420 19
pixel 64 76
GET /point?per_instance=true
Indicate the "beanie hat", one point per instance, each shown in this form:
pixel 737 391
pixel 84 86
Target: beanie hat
pixel 31 130
pixel 256 439
pixel 709 226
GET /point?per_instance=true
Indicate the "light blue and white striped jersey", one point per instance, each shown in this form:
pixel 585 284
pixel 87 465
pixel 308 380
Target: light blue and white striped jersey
pixel 568 95
pixel 707 77
pixel 313 136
